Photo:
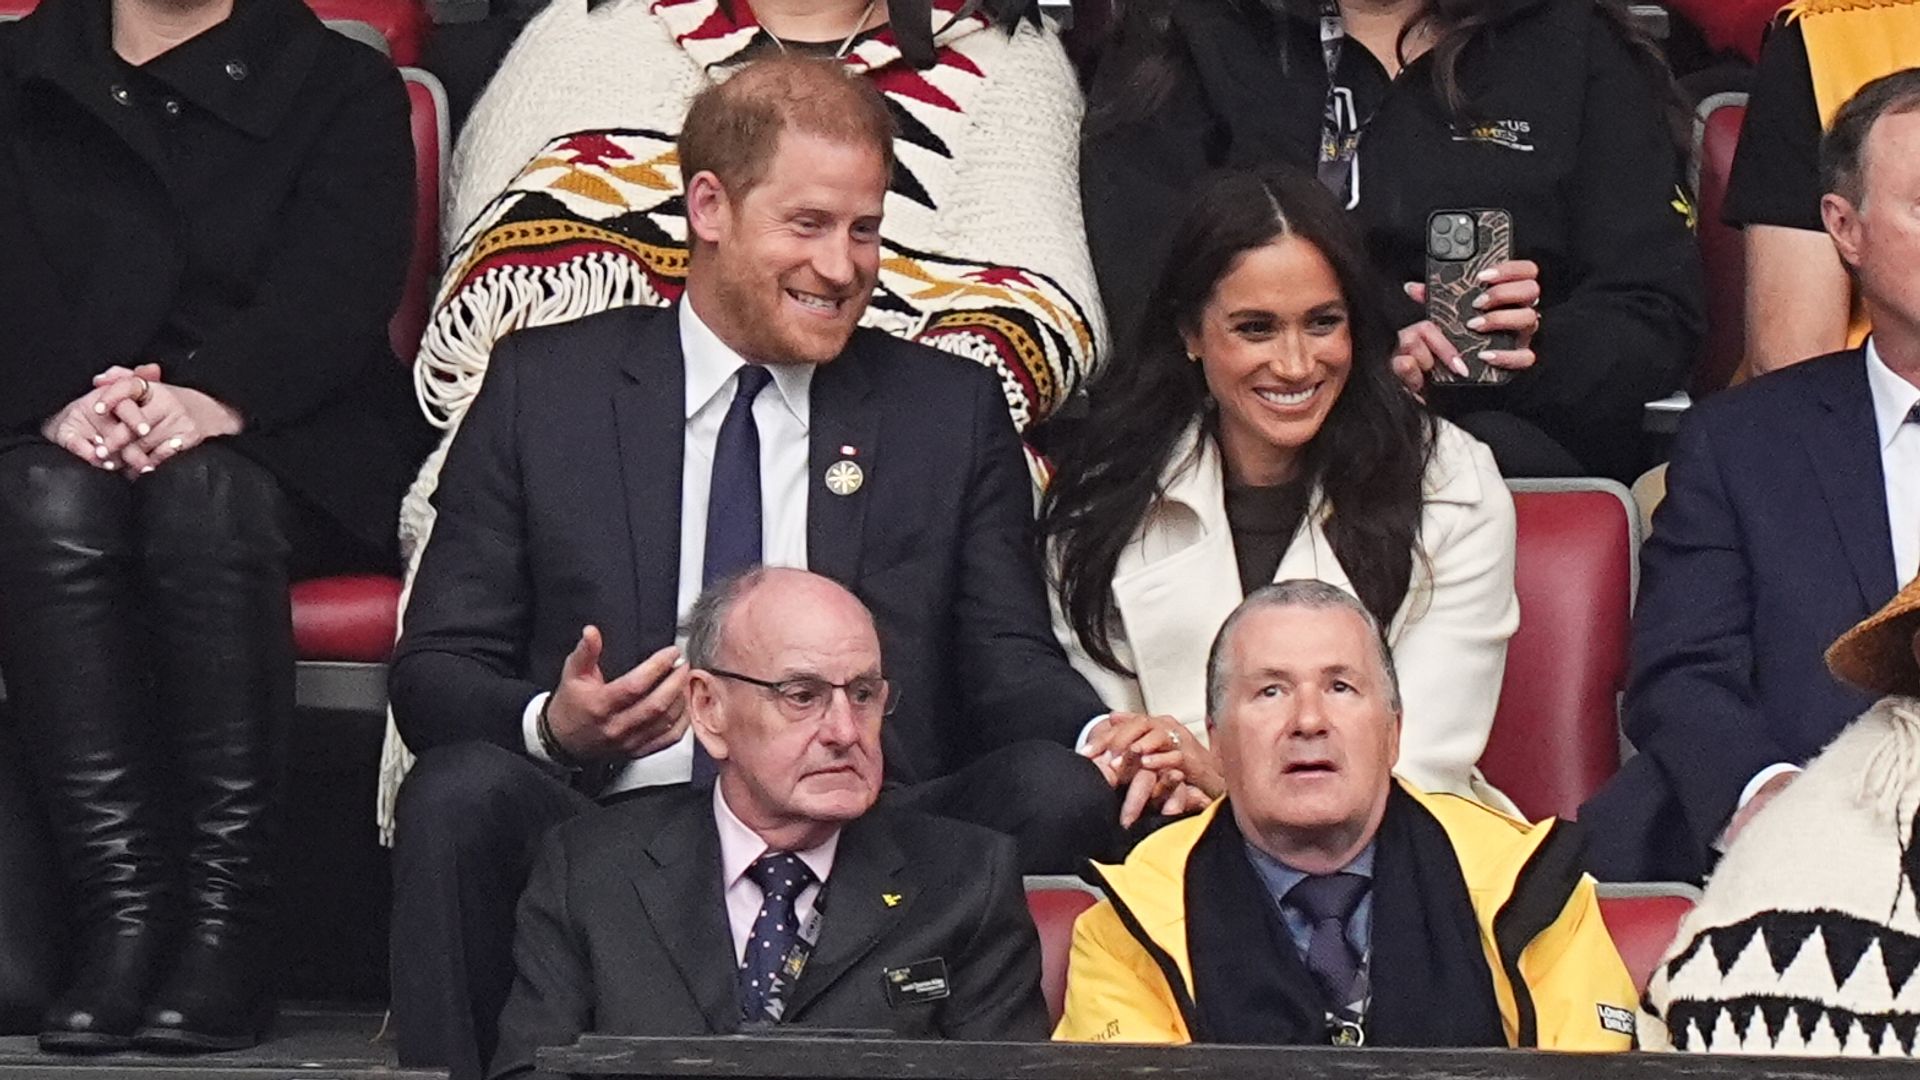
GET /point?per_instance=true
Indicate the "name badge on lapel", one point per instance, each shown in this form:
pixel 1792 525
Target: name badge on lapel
pixel 917 983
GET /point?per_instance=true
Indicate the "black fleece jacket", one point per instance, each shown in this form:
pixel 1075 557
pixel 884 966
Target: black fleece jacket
pixel 1566 130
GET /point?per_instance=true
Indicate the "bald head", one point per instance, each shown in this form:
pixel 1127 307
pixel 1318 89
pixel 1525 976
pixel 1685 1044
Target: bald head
pixel 733 129
pixel 787 696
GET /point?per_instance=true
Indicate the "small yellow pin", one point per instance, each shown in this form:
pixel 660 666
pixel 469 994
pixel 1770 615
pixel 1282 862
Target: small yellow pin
pixel 891 899
pixel 844 478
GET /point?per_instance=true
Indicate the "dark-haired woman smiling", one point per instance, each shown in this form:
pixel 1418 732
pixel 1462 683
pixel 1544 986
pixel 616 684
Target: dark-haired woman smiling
pixel 1257 432
pixel 1552 110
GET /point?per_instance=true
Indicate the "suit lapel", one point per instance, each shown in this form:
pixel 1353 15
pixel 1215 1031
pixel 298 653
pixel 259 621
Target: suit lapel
pixel 678 882
pixel 840 419
pixel 864 899
pixel 1842 440
pixel 650 419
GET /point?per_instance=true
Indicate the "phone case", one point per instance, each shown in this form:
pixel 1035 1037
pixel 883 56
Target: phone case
pixel 1452 287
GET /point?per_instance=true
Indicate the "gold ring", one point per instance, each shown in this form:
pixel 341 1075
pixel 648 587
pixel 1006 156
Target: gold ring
pixel 146 389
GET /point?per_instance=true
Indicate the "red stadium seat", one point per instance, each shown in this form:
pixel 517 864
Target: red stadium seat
pixel 1055 903
pixel 349 618
pixel 343 621
pixel 401 24
pixel 1716 129
pixel 1643 919
pixel 430 149
pixel 1556 734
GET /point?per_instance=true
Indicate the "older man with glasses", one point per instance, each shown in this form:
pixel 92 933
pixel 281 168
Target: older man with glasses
pixel 783 896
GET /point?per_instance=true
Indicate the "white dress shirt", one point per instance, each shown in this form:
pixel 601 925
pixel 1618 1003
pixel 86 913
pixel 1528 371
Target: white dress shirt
pixel 1893 401
pixel 739 847
pixel 781 413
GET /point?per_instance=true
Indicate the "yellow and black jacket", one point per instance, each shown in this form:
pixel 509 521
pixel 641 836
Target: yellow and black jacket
pixel 1536 967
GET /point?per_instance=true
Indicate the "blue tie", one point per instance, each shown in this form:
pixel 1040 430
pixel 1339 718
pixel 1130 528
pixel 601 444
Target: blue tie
pixel 776 952
pixel 733 507
pixel 1328 901
pixel 733 495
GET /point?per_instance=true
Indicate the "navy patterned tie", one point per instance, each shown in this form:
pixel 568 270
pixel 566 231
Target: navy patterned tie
pixel 733 507
pixel 1328 901
pixel 775 952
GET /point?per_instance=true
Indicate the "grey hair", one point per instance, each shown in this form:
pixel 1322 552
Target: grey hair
pixel 706 624
pixel 1301 593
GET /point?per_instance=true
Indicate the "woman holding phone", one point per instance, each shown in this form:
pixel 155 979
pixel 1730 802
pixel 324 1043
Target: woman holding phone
pixel 1553 111
pixel 1257 432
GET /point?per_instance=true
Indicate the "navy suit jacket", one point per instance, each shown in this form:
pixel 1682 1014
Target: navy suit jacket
pixel 1771 542
pixel 559 506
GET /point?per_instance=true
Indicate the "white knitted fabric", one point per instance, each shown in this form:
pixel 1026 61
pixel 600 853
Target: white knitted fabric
pixel 1807 939
pixel 1006 232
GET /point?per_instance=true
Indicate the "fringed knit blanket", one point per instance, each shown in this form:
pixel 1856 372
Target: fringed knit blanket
pixel 1807 939
pixel 983 250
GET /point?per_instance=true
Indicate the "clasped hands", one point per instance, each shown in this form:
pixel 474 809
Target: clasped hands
pixel 1157 762
pixel 133 421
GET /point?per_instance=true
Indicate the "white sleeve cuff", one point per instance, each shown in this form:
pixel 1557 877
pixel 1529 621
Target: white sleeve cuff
pixel 530 727
pixel 1086 733
pixel 1759 780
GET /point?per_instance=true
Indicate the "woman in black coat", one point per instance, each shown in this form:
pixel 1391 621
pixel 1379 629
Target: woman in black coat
pixel 204 224
pixel 1552 110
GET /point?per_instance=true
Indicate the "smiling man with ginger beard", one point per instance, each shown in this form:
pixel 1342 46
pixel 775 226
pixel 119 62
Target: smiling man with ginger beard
pixel 1325 901
pixel 614 466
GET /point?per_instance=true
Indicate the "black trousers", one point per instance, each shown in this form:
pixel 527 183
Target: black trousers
pixel 470 818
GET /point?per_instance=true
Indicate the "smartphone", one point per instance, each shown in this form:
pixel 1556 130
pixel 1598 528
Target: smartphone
pixel 1461 244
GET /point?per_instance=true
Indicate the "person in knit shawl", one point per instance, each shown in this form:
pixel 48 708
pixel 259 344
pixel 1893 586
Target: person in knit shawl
pixel 566 195
pixel 1808 937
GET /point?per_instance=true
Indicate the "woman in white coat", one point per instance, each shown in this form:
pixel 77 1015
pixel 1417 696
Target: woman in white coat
pixel 1258 433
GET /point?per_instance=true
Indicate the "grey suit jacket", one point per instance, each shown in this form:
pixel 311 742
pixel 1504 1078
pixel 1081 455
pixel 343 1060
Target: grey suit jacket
pixel 623 930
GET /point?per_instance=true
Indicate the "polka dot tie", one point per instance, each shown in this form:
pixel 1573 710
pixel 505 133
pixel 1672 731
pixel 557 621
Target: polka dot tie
pixel 769 968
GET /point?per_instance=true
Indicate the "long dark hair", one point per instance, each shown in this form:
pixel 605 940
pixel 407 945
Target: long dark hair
pixel 1140 42
pixel 1368 458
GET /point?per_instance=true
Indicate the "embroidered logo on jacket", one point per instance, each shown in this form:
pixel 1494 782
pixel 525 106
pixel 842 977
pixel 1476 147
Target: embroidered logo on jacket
pixel 1506 134
pixel 1616 1019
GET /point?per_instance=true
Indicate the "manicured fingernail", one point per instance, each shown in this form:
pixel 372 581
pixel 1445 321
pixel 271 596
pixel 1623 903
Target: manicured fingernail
pixel 1408 287
pixel 1486 275
pixel 679 661
pixel 144 469
pixel 100 452
pixel 1476 323
pixel 176 443
pixel 109 465
pixel 98 441
pixel 1488 356
pixel 1459 366
pixel 100 408
pixel 1480 302
pixel 144 430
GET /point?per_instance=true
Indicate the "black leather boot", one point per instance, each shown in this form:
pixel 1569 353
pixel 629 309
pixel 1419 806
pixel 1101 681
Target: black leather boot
pixel 77 686
pixel 216 581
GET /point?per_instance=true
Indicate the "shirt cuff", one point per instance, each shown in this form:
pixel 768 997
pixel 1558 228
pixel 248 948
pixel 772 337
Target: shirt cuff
pixel 1086 733
pixel 1759 780
pixel 530 727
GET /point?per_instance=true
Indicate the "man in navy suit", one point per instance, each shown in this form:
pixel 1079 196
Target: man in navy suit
pixel 614 466
pixel 1792 512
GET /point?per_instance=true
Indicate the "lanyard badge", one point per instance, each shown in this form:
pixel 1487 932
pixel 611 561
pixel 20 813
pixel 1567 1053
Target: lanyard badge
pixel 1338 166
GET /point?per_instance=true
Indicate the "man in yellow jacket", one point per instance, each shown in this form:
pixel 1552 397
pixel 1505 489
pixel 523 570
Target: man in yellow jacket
pixel 1323 901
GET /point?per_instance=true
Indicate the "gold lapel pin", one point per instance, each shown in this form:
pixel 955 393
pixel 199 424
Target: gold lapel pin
pixel 891 899
pixel 844 478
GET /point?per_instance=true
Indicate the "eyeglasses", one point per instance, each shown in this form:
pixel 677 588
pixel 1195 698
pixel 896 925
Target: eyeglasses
pixel 806 697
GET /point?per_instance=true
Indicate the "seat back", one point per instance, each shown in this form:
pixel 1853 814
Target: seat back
pixel 1055 902
pixel 1642 918
pixel 1716 131
pixel 400 24
pixel 1556 732
pixel 430 151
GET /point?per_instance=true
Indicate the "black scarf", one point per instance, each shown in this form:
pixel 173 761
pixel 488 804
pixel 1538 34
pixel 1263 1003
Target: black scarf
pixel 1430 979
